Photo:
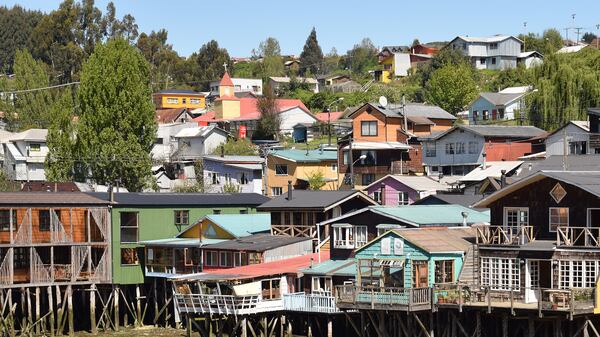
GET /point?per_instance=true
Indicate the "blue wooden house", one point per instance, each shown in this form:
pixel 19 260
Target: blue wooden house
pixel 398 269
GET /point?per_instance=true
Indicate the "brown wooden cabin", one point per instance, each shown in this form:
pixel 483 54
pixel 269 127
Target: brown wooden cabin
pixel 53 238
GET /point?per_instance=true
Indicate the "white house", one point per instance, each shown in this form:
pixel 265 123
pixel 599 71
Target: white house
pixel 495 52
pixel 253 85
pixel 25 154
pixel 166 144
pixel 577 134
pixel 277 83
pixel 195 142
pixel 503 105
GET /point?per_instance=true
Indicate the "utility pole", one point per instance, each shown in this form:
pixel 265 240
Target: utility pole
pixel 578 30
pixel 565 149
pixel 524 35
pixel 405 117
pixel 597 36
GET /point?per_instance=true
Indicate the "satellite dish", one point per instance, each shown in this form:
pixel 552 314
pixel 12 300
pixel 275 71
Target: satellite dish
pixel 383 101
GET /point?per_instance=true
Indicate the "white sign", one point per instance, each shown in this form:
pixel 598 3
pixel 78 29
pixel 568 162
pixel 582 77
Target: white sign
pixel 385 246
pixel 398 246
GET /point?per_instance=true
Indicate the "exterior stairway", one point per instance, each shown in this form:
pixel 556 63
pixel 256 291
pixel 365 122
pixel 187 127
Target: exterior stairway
pixel 469 274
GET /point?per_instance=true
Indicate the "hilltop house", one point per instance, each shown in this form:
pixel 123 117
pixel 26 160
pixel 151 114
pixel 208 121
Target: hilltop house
pixel 175 98
pixel 492 106
pixel 582 137
pixel 496 52
pixel 240 85
pixel 399 190
pixel 397 62
pixel 25 154
pixel 459 150
pixel 245 172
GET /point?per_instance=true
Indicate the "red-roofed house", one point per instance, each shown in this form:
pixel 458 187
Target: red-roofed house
pixel 234 114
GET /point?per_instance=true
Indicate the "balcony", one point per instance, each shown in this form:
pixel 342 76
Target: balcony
pixel 378 298
pixel 294 231
pixel 310 303
pixel 571 301
pixel 578 237
pixel 225 304
pixel 504 235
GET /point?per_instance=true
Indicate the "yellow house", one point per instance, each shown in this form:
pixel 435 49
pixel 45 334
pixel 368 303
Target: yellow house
pixel 298 166
pixel 395 62
pixel 173 99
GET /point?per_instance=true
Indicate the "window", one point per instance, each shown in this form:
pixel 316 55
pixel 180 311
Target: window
pixel 225 260
pixel 34 147
pixel 444 271
pixel 368 178
pixel 473 147
pixel 482 60
pixel 129 256
pixel 559 217
pixel 216 211
pixel 449 148
pixel 460 148
pixel 334 167
pixel 346 156
pixel 172 100
pixel 211 258
pixel 182 217
pixel 370 157
pixel 501 273
pixel 214 177
pixel 578 147
pixel 558 193
pixel 129 226
pixel 21 258
pixel 195 101
pixel 244 178
pixel 183 100
pixel 493 60
pixel 494 45
pixel 343 237
pixel 516 216
pixel 500 113
pixel 44 220
pixel 281 169
pixel 275 191
pixel 403 198
pixel 360 235
pixel 475 115
pixel 227 178
pixel 255 88
pixel 243 211
pixel 377 196
pixel 368 128
pixel 430 150
pixel 321 284
pixel 5 220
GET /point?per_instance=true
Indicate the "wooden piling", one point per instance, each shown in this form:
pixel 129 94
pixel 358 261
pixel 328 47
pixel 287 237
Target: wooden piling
pixel 37 311
pixel 94 327
pixel 70 310
pixel 50 311
pixel 116 305
pixel 138 301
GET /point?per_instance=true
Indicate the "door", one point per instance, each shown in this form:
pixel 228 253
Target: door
pixel 532 280
pixel 420 274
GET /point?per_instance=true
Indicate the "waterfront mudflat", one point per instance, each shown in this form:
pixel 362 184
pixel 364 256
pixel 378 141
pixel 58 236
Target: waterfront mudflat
pixel 137 332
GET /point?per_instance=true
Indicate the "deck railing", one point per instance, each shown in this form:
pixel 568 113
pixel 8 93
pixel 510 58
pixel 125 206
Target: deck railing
pixel 377 297
pixel 504 235
pixel 578 237
pixel 225 304
pixel 540 299
pixel 294 230
pixel 309 303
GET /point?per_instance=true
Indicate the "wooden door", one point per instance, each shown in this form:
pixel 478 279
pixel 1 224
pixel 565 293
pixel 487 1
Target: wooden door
pixel 420 274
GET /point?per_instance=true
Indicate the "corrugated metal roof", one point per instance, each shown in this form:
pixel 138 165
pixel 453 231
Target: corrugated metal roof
pixel 198 131
pixel 500 99
pixel 31 134
pixel 438 240
pixel 306 199
pixel 182 242
pixel 49 198
pixel 433 214
pixel 417 183
pixel 231 159
pixel 492 169
pixel 240 225
pixel 378 146
pixel 333 268
pixel 257 242
pixel 453 199
pixel 188 199
pixel 303 156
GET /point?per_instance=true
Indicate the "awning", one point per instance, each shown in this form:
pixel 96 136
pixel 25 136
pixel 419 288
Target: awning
pixel 378 146
pixel 392 263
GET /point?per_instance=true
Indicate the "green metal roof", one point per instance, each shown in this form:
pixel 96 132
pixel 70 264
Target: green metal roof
pixel 302 156
pixel 433 214
pixel 240 225
pixel 181 242
pixel 333 268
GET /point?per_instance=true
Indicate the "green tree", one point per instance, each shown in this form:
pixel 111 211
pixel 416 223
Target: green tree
pixel 316 180
pixel 33 108
pixel 117 126
pixel 60 160
pixel 268 124
pixel 442 58
pixel 209 63
pixel 239 147
pixel 311 58
pixel 548 43
pixel 272 62
pixel 362 57
pixel 451 87
pixel 588 37
pixel 16 26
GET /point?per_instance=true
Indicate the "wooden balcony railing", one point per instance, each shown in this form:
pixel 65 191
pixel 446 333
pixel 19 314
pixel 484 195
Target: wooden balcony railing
pixel 294 231
pixel 522 298
pixel 578 237
pixel 504 235
pixel 225 304
pixel 309 303
pixel 405 299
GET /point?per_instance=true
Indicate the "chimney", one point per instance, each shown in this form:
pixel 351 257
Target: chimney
pixel 222 151
pixel 289 197
pixel 483 155
pixel 464 215
pixel 503 178
pixel 382 194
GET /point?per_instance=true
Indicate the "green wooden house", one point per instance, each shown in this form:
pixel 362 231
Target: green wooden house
pixel 138 217
pixel 399 268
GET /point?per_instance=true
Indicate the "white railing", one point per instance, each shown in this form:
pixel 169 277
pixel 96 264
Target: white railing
pixel 225 304
pixel 388 297
pixel 309 303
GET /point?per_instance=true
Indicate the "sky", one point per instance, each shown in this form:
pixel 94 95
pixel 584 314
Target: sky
pixel 239 26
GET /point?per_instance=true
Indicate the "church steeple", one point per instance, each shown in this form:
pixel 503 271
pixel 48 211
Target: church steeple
pixel 226 86
pixel 227 105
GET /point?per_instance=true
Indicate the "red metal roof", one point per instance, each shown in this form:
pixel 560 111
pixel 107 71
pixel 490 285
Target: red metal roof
pixel 288 266
pixel 226 80
pixel 249 111
pixel 323 116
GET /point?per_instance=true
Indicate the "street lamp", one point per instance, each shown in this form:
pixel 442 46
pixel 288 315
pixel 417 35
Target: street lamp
pixel 339 99
pixel 362 157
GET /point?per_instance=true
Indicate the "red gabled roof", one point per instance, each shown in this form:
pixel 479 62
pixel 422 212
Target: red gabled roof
pixel 323 116
pixel 164 116
pixel 226 80
pixel 288 266
pixel 249 111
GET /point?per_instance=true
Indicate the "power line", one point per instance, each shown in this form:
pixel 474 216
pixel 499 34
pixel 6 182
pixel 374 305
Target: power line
pixel 39 89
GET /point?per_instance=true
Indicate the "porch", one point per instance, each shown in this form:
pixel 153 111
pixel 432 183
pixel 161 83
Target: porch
pixel 504 235
pixel 320 303
pixel 225 304
pixel 579 237
pixel 383 298
pixel 294 230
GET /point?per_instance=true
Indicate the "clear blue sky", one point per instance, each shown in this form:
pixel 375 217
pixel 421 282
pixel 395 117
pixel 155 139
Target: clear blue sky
pixel 239 26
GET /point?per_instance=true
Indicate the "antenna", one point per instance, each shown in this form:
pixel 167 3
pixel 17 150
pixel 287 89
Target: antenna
pixel 383 101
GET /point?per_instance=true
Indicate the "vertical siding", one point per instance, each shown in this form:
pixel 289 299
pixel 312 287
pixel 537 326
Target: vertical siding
pixel 442 158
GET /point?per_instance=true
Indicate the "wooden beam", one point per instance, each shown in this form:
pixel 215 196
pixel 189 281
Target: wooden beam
pixel 51 310
pixel 423 328
pixel 93 309
pixel 70 310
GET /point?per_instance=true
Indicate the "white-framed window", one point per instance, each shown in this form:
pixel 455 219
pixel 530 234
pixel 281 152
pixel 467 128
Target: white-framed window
pixel 343 236
pixel 472 147
pixel 275 191
pixel 195 101
pixel 403 198
pixel 486 115
pixel 244 178
pixel 227 177
pixel 172 100
pixel 577 273
pixel 377 196
pixel 361 236
pixel 449 148
pixel 211 258
pixel 225 259
pixel 368 128
pixel 558 217
pixel 321 284
pixel 516 216
pixel 430 150
pixel 501 273
pixel 494 45
pixel 214 178
pixel 460 148
pixel 281 169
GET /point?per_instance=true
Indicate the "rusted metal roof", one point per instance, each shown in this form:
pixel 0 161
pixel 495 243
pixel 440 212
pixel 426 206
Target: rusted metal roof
pixel 49 198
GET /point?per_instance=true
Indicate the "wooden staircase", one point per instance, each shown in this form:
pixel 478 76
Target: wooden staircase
pixel 469 274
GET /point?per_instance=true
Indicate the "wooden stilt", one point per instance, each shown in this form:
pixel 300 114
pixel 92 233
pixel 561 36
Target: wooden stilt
pixel 477 324
pixel 329 326
pixel 59 312
pixel 188 326
pixel 70 310
pixel 23 308
pixel 94 327
pixel 504 325
pixel 138 307
pixel 116 305
pixel 289 327
pixel 37 311
pixel 309 327
pixel 282 326
pixel 50 311
pixel 530 327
